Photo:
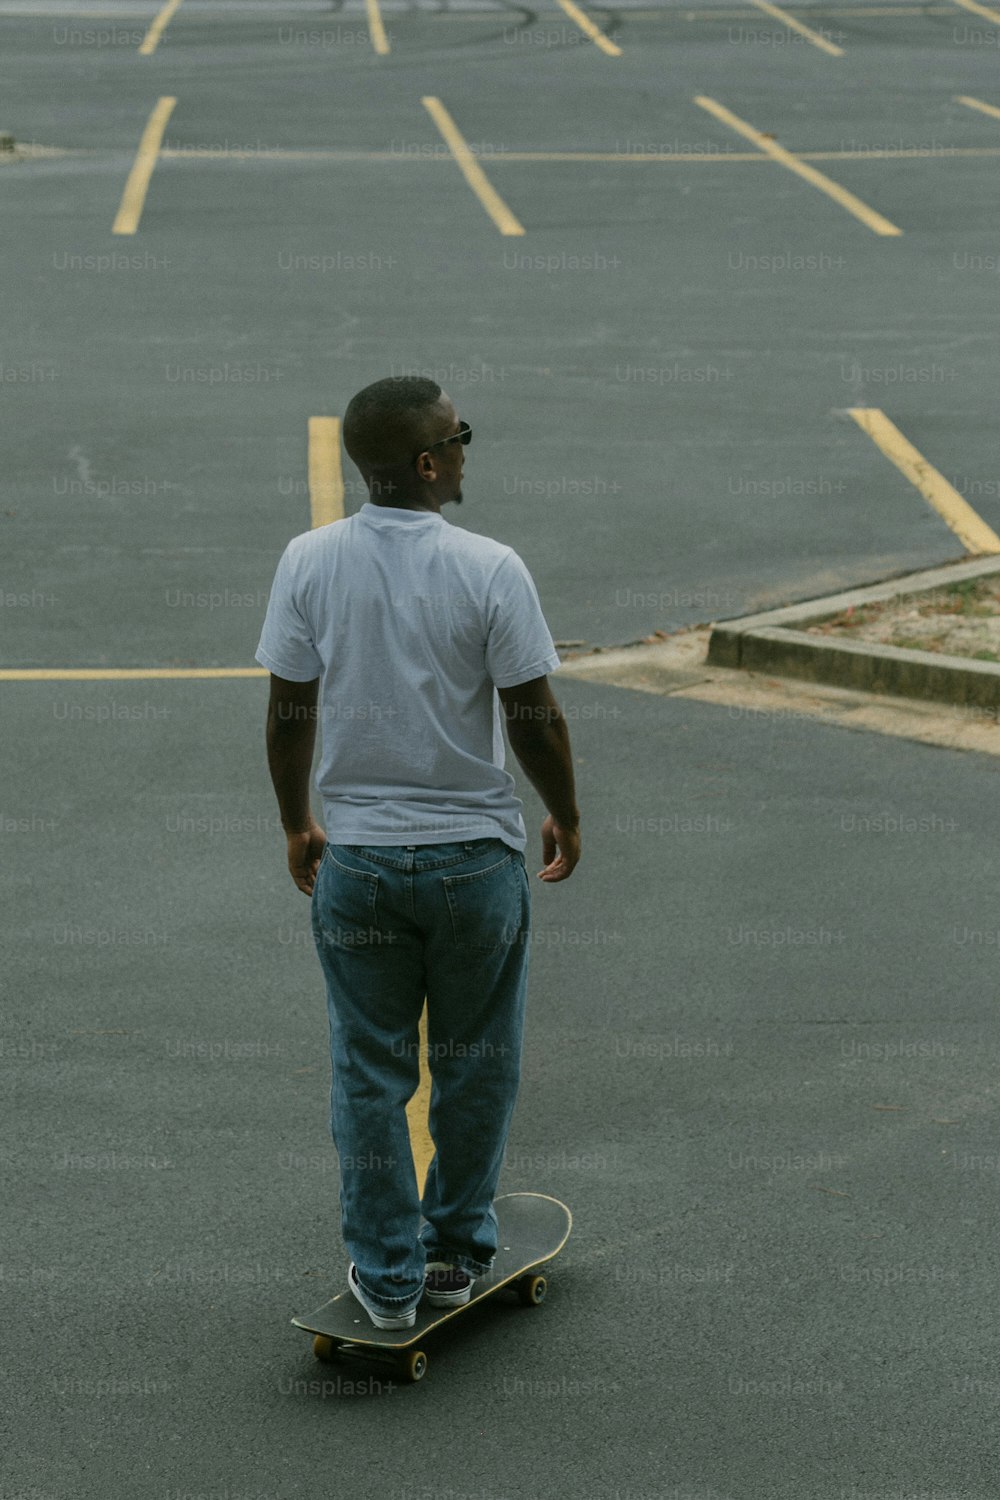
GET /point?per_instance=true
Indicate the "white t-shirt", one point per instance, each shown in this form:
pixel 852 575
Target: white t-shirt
pixel 412 624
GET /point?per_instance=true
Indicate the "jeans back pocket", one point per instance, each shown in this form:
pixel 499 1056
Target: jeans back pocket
pixel 489 908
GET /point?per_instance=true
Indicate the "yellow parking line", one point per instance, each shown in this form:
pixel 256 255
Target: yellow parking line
pixel 971 530
pixel 121 674
pixel 814 10
pixel 587 26
pixel 326 499
pixel 319 154
pixel 864 11
pixel 811 36
pixel 157 29
pixel 986 109
pixel 326 479
pixel 906 153
pixel 417 1112
pixel 379 39
pixel 693 158
pixel 134 196
pixel 470 168
pixel 840 195
pixel 979 10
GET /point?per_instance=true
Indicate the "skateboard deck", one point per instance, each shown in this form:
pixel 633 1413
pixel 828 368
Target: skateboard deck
pixel 532 1229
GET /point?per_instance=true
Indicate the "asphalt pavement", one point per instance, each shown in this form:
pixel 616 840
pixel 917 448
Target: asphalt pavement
pixel 761 1043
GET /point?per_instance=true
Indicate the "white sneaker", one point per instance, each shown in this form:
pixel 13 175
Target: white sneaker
pixel 378 1317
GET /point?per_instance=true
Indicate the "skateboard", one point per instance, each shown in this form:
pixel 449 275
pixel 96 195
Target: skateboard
pixel 532 1229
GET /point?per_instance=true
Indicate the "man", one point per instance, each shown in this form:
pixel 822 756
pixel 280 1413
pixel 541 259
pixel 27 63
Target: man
pixel 407 629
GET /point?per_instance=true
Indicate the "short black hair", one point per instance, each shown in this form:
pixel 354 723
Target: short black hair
pixel 389 422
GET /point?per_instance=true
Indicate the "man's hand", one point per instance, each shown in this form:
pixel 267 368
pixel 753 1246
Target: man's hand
pixel 567 841
pixel 305 850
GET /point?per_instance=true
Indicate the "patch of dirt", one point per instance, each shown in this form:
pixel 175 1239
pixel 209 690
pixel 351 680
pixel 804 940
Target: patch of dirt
pixel 959 619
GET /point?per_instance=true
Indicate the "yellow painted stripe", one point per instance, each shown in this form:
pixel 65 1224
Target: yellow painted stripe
pixel 625 156
pixel 810 35
pixel 979 10
pixel 693 158
pixel 907 153
pixel 587 26
pixel 155 31
pixel 814 10
pixel 326 480
pixel 986 109
pixel 121 674
pixel 379 39
pixel 417 1110
pixel 470 168
pixel 134 196
pixel 971 530
pixel 868 216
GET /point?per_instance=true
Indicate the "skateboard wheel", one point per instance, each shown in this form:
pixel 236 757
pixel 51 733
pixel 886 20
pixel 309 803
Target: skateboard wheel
pixel 324 1348
pixel 414 1364
pixel 531 1290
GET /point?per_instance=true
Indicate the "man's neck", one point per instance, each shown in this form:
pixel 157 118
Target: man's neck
pixel 429 510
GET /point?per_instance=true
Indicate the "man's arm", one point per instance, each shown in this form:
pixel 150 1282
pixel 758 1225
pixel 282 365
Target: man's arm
pixel 539 738
pixel 291 739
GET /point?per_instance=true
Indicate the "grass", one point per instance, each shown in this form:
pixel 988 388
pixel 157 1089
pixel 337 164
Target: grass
pixel 973 596
pixel 970 599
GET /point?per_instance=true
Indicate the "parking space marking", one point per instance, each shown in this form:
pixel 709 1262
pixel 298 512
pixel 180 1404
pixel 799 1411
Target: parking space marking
pixel 979 10
pixel 971 530
pixel 860 11
pixel 986 109
pixel 121 674
pixel 326 499
pixel 418 1111
pixel 810 35
pixel 690 158
pixel 326 479
pixel 905 153
pixel 156 30
pixel 134 196
pixel 379 39
pixel 470 168
pixel 587 26
pixel 868 216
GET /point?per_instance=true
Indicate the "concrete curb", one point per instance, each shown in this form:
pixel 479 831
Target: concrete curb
pixel 770 643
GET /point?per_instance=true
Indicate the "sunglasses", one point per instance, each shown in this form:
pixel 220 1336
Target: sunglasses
pixel 463 436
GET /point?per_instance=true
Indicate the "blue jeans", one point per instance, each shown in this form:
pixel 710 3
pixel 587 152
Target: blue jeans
pixel 393 924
